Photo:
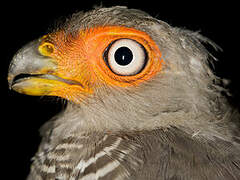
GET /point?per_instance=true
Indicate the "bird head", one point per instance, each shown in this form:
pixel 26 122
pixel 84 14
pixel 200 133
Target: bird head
pixel 74 67
pixel 120 68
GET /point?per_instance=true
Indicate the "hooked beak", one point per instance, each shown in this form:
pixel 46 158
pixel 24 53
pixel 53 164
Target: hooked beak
pixel 27 69
pixel 34 74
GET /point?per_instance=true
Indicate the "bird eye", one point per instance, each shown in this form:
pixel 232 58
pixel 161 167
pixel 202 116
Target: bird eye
pixel 126 57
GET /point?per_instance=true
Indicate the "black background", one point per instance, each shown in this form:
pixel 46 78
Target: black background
pixel 21 115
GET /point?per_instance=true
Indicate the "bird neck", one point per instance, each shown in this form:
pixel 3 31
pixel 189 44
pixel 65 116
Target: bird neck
pixel 132 154
pixel 75 120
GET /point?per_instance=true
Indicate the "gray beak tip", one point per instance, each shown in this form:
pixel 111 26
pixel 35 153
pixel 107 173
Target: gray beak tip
pixel 10 81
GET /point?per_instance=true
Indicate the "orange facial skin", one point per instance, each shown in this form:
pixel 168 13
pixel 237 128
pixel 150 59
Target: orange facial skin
pixel 80 58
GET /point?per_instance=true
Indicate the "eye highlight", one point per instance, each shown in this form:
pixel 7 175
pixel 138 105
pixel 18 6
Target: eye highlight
pixel 126 57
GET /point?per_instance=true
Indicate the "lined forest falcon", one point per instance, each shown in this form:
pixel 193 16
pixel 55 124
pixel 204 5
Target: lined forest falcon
pixel 143 103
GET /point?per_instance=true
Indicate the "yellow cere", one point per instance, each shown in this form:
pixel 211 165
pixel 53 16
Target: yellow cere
pixel 46 49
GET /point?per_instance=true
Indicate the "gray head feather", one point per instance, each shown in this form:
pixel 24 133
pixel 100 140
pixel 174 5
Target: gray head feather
pixel 184 94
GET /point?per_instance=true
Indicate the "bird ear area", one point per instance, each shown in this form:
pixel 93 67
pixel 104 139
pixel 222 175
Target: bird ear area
pixel 128 56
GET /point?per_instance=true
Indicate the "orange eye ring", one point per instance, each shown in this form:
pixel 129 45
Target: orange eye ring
pixel 107 35
pixel 46 49
pixel 86 51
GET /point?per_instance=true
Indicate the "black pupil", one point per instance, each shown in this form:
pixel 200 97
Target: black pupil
pixel 123 56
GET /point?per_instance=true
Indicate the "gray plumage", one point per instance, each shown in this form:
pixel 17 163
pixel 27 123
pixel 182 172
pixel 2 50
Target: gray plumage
pixel 175 126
